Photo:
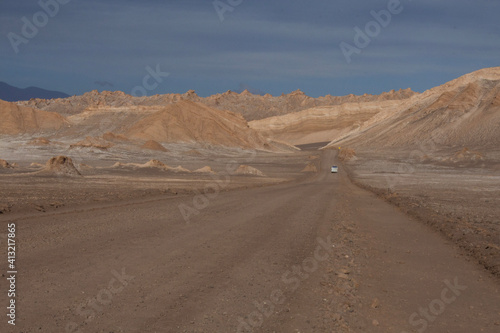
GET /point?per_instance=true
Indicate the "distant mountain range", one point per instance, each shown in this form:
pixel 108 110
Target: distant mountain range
pixel 13 94
pixel 250 106
pixel 461 113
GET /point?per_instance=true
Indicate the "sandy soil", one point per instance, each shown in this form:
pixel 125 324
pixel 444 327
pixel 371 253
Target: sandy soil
pixel 312 255
pixel 461 199
pixel 25 190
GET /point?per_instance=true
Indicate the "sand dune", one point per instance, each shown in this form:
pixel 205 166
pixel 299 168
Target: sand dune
pixel 153 145
pixel 20 120
pixel 462 112
pixel 324 123
pixel 193 122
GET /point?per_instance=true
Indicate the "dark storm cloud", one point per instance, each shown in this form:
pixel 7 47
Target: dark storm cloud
pixel 104 83
pixel 277 45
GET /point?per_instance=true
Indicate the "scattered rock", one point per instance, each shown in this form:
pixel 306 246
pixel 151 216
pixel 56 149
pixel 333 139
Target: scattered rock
pixel 119 165
pixel 248 170
pixel 154 164
pixel 62 166
pixel 346 154
pixel 5 165
pixel 5 208
pixel 310 168
pixel 336 317
pixel 91 142
pixel 36 165
pixel 85 166
pixel 179 169
pixel 465 155
pixel 151 164
pixel 39 142
pixel 205 169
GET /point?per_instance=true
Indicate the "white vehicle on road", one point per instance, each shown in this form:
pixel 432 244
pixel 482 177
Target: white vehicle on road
pixel 334 169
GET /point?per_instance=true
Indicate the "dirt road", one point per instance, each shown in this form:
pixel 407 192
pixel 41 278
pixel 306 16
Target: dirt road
pixel 317 256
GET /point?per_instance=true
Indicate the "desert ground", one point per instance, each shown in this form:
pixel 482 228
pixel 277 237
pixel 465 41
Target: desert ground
pixel 176 213
pixel 460 198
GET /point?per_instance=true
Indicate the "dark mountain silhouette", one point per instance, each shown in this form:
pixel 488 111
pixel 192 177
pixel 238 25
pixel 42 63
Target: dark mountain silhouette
pixel 13 94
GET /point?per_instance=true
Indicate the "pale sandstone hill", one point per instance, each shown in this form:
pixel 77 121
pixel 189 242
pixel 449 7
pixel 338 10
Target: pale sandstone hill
pixel 324 123
pixel 105 122
pixel 95 100
pixel 194 122
pixel 462 112
pixel 251 106
pixel 17 119
pixel 255 107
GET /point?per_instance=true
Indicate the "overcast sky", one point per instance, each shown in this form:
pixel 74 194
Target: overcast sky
pixel 270 46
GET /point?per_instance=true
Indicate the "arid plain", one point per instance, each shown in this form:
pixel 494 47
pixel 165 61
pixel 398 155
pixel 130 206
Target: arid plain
pixel 212 204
